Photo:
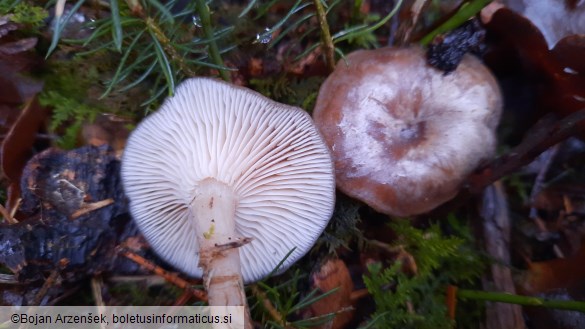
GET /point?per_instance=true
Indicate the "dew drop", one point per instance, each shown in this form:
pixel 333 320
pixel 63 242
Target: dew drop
pixel 264 37
pixel 196 21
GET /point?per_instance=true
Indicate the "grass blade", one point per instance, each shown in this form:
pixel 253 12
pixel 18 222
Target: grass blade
pixel 117 30
pixel 351 32
pixel 164 63
pixel 154 96
pixel 140 78
pixel 247 9
pixel 60 23
pixel 163 10
pixel 121 65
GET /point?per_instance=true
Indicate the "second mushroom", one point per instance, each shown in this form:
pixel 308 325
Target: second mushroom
pixel 404 135
pixel 224 183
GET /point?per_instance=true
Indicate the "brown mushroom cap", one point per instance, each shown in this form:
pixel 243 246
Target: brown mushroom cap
pixel 404 135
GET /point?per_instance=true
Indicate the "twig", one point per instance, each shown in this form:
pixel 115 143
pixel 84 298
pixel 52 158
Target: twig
pixel 135 7
pixel 89 207
pixel 68 293
pixel 59 9
pixel 170 277
pixel 325 36
pixel 541 137
pixel 15 208
pixel 496 232
pixel 7 215
pixel 8 279
pixel 359 294
pixel 183 299
pixel 415 11
pixel 148 280
pixel 97 283
pixel 274 314
pixel 568 204
pixel 49 282
pixel 548 156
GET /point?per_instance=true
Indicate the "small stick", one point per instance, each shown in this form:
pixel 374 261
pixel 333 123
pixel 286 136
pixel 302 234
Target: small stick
pixel 8 279
pixel 49 282
pixel 7 215
pixel 149 280
pixel 59 8
pixel 415 10
pixel 359 294
pixel 274 314
pixel 568 204
pixel 183 299
pixel 89 207
pixel 15 208
pixel 538 139
pixel 548 156
pixel 325 35
pixel 97 283
pixel 230 245
pixel 170 277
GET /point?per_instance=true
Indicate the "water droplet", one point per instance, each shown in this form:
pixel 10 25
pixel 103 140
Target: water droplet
pixel 264 37
pixel 197 21
pixel 91 26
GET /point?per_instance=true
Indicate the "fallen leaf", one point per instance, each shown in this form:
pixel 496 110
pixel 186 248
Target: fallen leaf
pixel 558 74
pixel 561 273
pixel 17 146
pixel 333 274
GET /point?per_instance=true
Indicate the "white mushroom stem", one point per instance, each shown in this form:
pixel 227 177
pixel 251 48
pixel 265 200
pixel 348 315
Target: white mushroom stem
pixel 213 211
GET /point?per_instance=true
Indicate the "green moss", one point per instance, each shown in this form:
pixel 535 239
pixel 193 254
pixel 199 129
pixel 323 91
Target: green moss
pixel 418 301
pixel 29 15
pixel 69 114
pixel 23 13
pixel 66 93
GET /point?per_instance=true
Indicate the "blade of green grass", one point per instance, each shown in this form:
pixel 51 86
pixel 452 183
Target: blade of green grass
pixel 163 9
pixel 60 23
pixel 247 9
pixel 290 28
pixel 141 78
pixel 466 11
pixel 164 63
pixel 349 33
pixel 114 80
pixel 117 30
pixel 154 96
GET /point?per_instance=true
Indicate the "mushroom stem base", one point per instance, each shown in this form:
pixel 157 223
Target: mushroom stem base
pixel 224 288
pixel 214 215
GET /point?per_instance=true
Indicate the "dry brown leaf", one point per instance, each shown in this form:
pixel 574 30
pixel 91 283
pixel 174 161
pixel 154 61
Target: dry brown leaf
pixel 559 73
pixel 562 273
pixel 331 275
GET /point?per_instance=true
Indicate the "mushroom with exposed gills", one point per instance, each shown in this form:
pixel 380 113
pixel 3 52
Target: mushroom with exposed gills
pixel 404 135
pixel 224 182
